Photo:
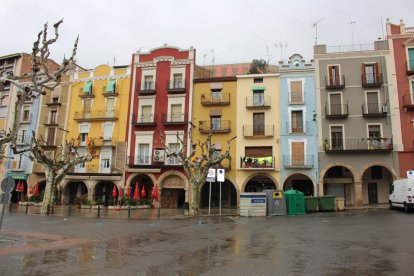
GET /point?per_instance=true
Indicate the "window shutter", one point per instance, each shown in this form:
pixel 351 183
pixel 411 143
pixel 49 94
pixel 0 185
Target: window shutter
pixel 376 72
pixel 364 73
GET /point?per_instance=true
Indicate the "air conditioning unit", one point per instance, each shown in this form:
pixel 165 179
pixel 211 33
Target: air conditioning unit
pixel 384 109
pixel 159 155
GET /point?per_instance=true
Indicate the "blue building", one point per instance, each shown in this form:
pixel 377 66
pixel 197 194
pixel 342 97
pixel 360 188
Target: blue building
pixel 19 166
pixel 299 129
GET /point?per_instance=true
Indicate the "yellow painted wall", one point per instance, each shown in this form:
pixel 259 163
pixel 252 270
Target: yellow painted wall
pixel 202 113
pixel 245 117
pixel 100 77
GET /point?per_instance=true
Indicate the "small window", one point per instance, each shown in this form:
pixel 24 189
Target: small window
pixel 234 71
pixel 224 72
pixel 258 80
pixel 55 100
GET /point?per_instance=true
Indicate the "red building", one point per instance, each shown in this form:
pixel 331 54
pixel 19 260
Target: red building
pixel 161 89
pixel 401 39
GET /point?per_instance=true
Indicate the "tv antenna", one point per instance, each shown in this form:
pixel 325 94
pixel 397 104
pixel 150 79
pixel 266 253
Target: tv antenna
pixel 212 54
pixel 315 25
pixel 352 32
pixel 281 45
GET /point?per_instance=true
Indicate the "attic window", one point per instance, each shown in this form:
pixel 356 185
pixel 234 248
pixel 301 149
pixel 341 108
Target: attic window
pixel 258 80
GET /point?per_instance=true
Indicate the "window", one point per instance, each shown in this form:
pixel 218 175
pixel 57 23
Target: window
pixel 216 154
pixel 337 137
pixel 370 73
pixel 110 88
pixel 411 59
pixel 297 121
pixel 107 131
pixel 176 115
pixel 296 92
pixel 51 136
pixel 87 104
pixel 333 75
pixel 87 89
pixel 374 131
pixel 258 124
pixel 84 138
pixel 258 80
pixel 223 72
pixel 174 148
pixel 298 153
pixel 258 97
pixel 215 122
pixel 83 130
pixel 53 117
pixel 335 103
pixel 26 114
pixel 148 83
pixel 55 100
pixel 105 161
pixel 234 71
pixel 178 81
pixel 146 116
pixel 216 95
pixel 372 103
pixel 110 107
pixel 81 166
pixel 143 154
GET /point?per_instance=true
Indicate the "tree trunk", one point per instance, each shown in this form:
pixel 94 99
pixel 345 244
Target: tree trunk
pixel 48 196
pixel 195 196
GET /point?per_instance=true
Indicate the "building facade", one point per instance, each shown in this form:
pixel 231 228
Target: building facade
pixel 258 132
pixel 299 154
pixel 214 109
pixel 159 111
pixel 98 111
pixel 401 42
pixel 356 114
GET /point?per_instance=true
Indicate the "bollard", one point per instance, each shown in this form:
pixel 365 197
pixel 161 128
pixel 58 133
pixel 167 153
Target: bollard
pixel 99 211
pixel 129 212
pixel 70 210
pixel 27 208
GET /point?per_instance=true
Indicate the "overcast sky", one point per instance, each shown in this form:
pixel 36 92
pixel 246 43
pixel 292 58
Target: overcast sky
pixel 235 31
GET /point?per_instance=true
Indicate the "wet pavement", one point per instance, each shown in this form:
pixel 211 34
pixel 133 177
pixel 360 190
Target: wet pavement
pixel 357 242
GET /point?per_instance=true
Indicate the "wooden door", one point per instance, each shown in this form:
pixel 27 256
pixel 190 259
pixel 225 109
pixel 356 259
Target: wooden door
pixel 298 156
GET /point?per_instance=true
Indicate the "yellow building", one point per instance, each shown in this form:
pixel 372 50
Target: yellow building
pixel 98 111
pixel 214 108
pixel 258 132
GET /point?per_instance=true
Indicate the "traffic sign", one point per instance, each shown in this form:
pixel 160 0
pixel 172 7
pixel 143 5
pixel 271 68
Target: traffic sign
pixel 211 176
pixel 220 175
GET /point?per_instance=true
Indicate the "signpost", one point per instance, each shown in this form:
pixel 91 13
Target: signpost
pixel 211 177
pixel 220 179
pixel 7 186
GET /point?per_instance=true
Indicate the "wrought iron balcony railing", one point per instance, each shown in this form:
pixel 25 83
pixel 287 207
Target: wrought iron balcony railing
pixel 258 102
pixel 224 126
pixel 176 86
pixel 371 80
pixel 143 119
pixel 257 163
pixel 96 115
pixel 374 110
pixel 174 119
pixel 220 99
pixel 372 144
pixel 335 82
pixel 146 88
pixel 336 111
pixel 258 131
pixel 298 161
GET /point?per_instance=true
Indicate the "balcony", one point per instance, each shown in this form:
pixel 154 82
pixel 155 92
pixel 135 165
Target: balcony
pixel 53 104
pixel 336 111
pixel 410 67
pixel 258 131
pixel 112 93
pixel 300 127
pixel 374 110
pixel 94 169
pixel 49 121
pixel 172 161
pixel 258 102
pixel 15 166
pixel 176 86
pixel 146 88
pixel 99 115
pixel 216 100
pixel 355 145
pixel 408 101
pixel 143 119
pixel 105 142
pixel 298 161
pixel 174 119
pixel 335 82
pixel 371 80
pixel 296 98
pixel 222 127
pixel 257 163
pixel 141 160
pixel 87 94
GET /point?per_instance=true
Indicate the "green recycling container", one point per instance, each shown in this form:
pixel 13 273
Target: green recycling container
pixel 326 203
pixel 295 202
pixel 311 204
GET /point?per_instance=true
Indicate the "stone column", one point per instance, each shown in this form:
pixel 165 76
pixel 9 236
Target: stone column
pixel 320 188
pixel 358 193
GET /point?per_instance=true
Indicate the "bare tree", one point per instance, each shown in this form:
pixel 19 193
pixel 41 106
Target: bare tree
pixel 41 79
pixel 37 82
pixel 56 163
pixel 196 163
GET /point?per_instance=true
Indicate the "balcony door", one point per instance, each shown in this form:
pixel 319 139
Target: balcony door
pixel 110 107
pixel 337 138
pixel 335 104
pixel 258 98
pixel 87 104
pixel 372 103
pixel 369 73
pixel 146 116
pixel 143 157
pixel 176 113
pixel 298 153
pixel 333 74
pixel 258 124
pixel 297 121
